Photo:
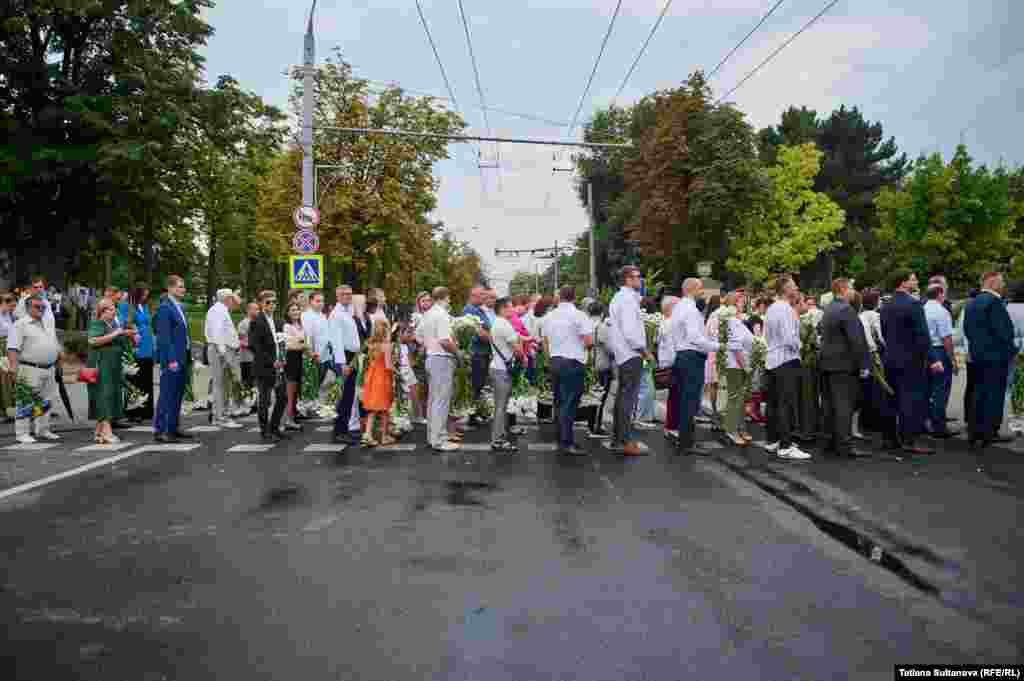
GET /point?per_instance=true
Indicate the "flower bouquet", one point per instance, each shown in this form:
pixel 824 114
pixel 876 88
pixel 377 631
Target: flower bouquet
pixel 27 400
pixel 809 340
pixel 129 367
pixel 133 397
pixel 725 315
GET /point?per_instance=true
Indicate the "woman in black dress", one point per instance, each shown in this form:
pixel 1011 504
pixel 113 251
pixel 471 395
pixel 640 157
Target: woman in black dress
pixel 295 347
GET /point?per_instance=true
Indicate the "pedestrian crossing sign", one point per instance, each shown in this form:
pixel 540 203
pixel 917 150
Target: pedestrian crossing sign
pixel 307 271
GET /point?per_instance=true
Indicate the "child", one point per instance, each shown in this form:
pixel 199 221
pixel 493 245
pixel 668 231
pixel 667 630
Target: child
pixel 409 380
pixel 378 385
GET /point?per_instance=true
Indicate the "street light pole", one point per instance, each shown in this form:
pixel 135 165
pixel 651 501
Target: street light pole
pixel 308 67
pixel 593 251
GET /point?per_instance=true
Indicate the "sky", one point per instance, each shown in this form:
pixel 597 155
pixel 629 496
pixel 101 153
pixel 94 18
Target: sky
pixel 933 73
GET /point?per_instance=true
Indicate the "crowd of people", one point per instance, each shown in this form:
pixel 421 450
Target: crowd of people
pixel 856 363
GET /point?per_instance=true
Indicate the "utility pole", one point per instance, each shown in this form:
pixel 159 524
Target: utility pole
pixel 593 250
pixel 558 255
pixel 308 66
pixel 539 253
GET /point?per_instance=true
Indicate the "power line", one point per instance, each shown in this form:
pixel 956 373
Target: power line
pixel 440 64
pixel 468 138
pixel 642 50
pixel 593 72
pixel 476 71
pixel 745 38
pixel 507 112
pixel 779 49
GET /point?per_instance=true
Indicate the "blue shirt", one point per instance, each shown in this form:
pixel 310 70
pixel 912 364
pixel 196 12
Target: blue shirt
pixel 940 323
pixel 142 323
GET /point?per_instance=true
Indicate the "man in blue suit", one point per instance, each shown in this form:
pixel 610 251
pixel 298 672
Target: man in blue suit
pixel 906 362
pixel 173 348
pixel 989 334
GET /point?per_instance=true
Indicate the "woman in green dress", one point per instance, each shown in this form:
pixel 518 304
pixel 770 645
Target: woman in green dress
pixel 106 395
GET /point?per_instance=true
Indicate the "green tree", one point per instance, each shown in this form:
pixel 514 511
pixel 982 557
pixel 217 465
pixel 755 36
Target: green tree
pixel 798 126
pixel 523 283
pixel 794 226
pixel 693 174
pixel 952 218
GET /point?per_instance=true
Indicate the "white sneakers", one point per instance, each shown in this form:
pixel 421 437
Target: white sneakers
pixel 771 447
pixel 447 447
pixel 229 423
pixel 26 440
pixel 48 435
pixel 793 452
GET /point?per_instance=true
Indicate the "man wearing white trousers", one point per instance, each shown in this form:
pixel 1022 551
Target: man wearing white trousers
pixel 435 332
pixel 222 346
pixel 33 353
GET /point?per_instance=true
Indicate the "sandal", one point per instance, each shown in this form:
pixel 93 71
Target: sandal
pixel 369 442
pixel 455 437
pixel 388 441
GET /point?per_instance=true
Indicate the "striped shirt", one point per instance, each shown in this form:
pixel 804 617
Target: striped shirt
pixel 782 333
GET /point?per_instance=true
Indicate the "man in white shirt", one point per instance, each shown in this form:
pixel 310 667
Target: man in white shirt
pixel 33 351
pixel 222 346
pixel 628 345
pixel 314 323
pixel 343 336
pixel 686 334
pixel 782 370
pixel 567 332
pixel 507 342
pixel 436 331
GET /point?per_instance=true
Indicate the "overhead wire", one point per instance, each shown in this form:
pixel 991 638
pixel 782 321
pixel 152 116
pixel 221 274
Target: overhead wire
pixel 643 49
pixel 479 87
pixel 781 47
pixel 593 72
pixel 745 39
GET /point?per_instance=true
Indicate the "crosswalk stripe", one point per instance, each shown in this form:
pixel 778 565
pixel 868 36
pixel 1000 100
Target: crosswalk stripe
pixel 173 447
pixel 397 448
pixel 35 447
pixel 105 448
pixel 238 449
pixel 542 446
pixel 476 447
pixel 139 429
pixel 204 429
pixel 325 429
pixel 324 449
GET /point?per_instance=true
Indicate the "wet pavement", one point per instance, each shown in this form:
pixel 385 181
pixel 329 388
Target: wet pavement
pixel 288 563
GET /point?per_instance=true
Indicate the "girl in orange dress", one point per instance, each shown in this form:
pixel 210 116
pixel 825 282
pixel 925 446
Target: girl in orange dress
pixel 378 386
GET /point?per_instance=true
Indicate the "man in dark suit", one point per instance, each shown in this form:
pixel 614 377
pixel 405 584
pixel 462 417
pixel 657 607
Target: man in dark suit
pixel 989 334
pixel 173 352
pixel 267 365
pixel 906 362
pixel 843 362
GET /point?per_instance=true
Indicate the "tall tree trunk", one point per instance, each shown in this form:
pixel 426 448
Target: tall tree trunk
pixel 211 269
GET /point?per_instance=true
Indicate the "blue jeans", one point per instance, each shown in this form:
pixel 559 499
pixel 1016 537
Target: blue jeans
pixel 571 378
pixel 645 398
pixel 939 387
pixel 689 375
pixel 168 404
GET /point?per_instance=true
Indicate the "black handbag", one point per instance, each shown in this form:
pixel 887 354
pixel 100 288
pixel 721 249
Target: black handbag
pixel 663 378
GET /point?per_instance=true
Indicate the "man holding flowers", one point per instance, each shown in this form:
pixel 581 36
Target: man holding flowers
pixel 33 353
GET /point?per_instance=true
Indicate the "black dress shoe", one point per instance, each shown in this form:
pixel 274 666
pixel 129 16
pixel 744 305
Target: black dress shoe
pixel 119 425
pixel 161 437
pixel 572 451
pixel 268 437
pixel 183 436
pixel 859 454
pixel 281 435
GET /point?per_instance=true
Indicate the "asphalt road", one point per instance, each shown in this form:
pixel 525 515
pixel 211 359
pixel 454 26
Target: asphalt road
pixel 401 564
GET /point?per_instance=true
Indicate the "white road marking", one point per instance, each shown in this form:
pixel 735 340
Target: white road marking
pixel 173 447
pixel 325 429
pixel 324 449
pixel 139 429
pixel 36 447
pixel 238 449
pixel 105 448
pixel 92 465
pixel 542 446
pixel 397 448
pixel 204 429
pixel 476 447
pixel 254 430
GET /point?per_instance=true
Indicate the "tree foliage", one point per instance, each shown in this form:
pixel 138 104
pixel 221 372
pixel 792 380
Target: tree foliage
pixel 952 218
pixel 794 226
pixel 375 199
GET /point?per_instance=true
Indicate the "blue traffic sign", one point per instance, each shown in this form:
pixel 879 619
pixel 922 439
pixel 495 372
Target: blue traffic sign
pixel 307 271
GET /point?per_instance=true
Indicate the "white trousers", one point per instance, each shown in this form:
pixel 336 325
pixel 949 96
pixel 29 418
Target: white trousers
pixel 44 382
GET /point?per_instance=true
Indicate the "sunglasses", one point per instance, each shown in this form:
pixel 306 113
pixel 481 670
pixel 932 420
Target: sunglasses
pixel 37 306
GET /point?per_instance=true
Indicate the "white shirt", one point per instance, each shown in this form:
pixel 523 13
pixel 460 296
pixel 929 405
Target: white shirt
pixel 273 332
pixel 872 323
pixel 435 327
pixel 565 327
pixel 342 333
pixel 33 341
pixel 532 324
pixel 687 329
pixel 505 338
pixel 315 325
pixel 184 320
pixel 741 342
pixel 628 337
pixel 6 322
pixel 782 334
pixel 666 348
pixel 220 329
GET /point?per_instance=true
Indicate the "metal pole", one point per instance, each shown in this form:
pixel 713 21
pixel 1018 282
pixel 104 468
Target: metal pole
pixel 308 65
pixel 556 268
pixel 593 250
pixel 471 138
